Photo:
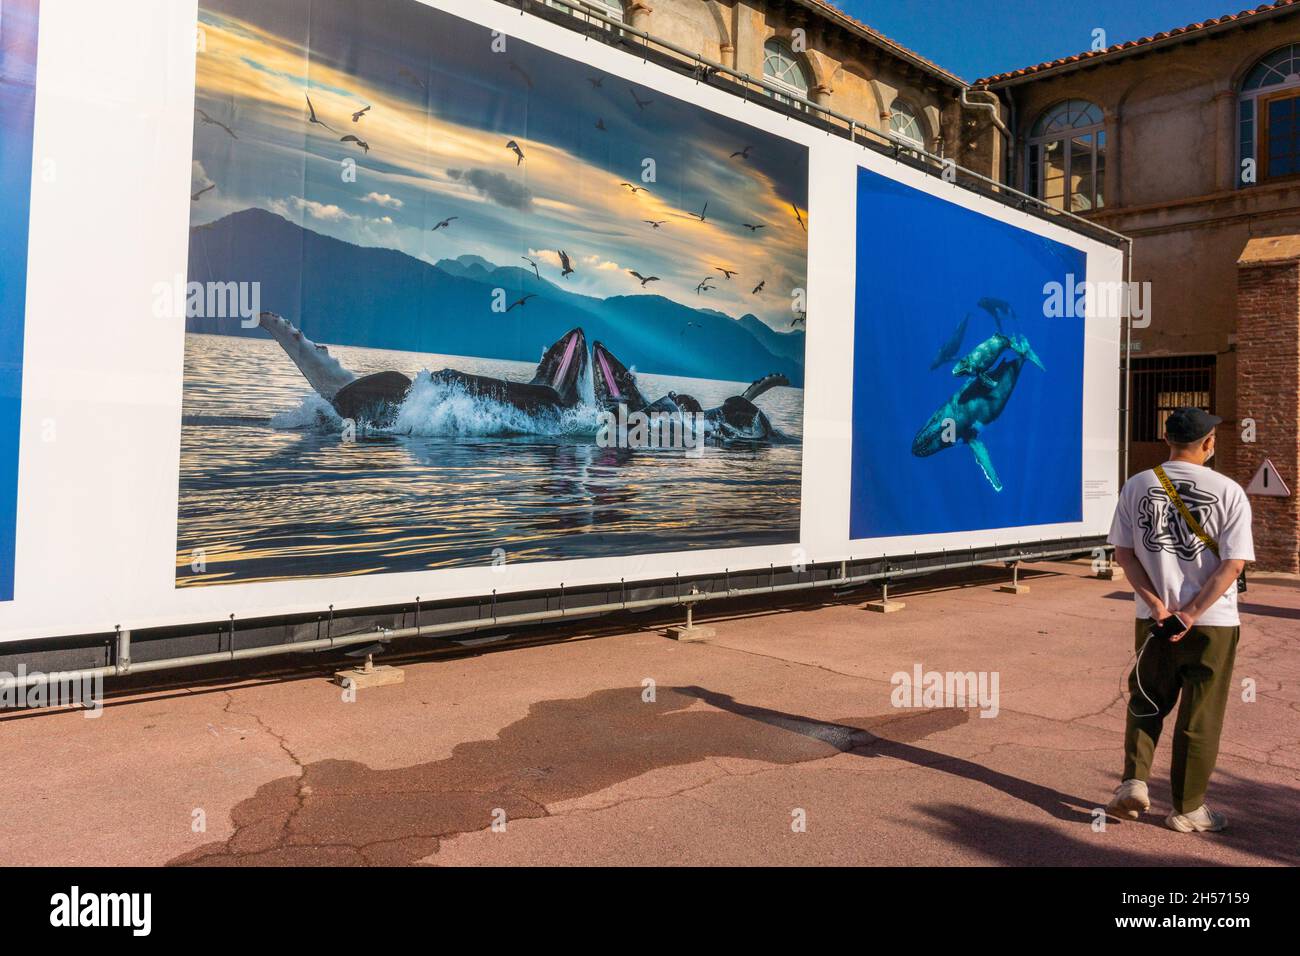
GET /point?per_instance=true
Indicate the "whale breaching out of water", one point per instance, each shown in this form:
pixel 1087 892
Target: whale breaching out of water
pixel 377 398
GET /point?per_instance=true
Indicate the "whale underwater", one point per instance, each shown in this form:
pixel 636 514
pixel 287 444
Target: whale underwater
pixel 555 387
pixel 976 404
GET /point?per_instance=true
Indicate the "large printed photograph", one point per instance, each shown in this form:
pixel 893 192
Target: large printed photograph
pixel 19 20
pixel 455 300
pixel 967 369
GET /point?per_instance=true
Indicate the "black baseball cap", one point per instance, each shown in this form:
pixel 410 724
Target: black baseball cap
pixel 1186 425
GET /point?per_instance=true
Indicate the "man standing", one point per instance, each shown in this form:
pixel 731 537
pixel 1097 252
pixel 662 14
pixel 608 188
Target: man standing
pixel 1182 535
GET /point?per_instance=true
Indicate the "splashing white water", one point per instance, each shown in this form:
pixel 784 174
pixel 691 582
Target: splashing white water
pixel 433 409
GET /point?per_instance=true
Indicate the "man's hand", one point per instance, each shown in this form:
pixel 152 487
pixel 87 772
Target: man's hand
pixel 1188 619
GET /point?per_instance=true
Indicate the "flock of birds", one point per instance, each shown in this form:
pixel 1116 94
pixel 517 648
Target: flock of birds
pixel 566 261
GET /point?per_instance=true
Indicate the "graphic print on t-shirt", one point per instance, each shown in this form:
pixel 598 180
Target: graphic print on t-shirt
pixel 1163 528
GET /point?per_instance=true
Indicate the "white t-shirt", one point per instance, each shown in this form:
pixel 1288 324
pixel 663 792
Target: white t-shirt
pixel 1175 559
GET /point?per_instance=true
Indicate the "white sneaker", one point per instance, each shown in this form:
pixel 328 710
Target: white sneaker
pixel 1200 820
pixel 1131 799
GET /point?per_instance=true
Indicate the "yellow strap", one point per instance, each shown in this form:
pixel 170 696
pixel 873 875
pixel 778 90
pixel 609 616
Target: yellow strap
pixel 1183 510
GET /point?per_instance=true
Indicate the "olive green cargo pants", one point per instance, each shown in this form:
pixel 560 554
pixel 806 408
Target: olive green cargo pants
pixel 1199 668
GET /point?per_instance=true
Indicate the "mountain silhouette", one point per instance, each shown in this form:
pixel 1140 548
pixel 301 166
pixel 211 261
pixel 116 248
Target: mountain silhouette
pixel 344 294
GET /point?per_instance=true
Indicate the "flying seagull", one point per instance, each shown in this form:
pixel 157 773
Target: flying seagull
pixel 727 272
pixel 523 301
pixel 512 145
pixel 635 189
pixel 653 223
pixel 759 288
pixel 752 228
pixel 566 263
pixel 644 279
pixel 312 118
pixel 702 213
pixel 798 216
pixel 742 153
pixel 533 264
pixel 356 139
pixel 522 72
pixel 205 189
pixel 641 104
pixel 446 223
pixel 800 319
pixel 209 121
pixel 704 285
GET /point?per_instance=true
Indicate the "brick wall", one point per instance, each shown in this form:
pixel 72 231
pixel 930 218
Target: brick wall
pixel 1268 389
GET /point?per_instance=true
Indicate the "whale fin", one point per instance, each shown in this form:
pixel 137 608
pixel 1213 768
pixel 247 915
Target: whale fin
pixel 763 384
pixel 986 464
pixel 321 370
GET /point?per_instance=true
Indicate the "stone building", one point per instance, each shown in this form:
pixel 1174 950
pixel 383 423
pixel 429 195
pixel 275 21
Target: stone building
pixel 819 53
pixel 1187 141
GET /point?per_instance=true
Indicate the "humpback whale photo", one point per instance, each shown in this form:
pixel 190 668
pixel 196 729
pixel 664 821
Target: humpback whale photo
pixel 963 417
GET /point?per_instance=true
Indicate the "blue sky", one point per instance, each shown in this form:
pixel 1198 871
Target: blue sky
pixel 956 34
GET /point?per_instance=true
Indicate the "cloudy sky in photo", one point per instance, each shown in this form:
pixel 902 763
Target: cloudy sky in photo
pixel 443 106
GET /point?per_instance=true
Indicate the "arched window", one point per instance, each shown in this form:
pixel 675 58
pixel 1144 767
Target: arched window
pixel 905 122
pixel 1270 118
pixel 781 68
pixel 1067 157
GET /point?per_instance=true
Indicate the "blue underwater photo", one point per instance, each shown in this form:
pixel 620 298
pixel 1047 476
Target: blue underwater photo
pixel 968 397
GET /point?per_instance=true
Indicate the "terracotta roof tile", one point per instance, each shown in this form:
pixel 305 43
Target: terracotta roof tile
pixel 1186 31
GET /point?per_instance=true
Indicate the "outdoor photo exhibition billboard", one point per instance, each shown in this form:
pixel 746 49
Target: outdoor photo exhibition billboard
pixel 396 299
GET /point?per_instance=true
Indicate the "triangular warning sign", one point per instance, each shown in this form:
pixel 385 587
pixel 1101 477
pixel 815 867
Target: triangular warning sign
pixel 1268 483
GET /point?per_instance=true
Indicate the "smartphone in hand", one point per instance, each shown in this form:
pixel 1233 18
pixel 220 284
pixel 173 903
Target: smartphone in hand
pixel 1170 627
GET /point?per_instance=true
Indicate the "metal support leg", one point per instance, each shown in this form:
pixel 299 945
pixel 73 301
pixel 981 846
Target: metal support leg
pixel 1015 587
pixel 123 651
pixel 690 632
pixel 884 605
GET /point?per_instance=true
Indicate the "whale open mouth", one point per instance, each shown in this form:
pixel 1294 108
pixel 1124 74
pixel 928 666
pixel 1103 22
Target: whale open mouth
pixel 612 382
pixel 563 366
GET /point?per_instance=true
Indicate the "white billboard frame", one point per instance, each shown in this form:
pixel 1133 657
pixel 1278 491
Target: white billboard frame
pixel 102 383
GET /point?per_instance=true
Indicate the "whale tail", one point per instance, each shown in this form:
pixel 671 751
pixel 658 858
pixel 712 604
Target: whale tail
pixel 1020 345
pixel 764 384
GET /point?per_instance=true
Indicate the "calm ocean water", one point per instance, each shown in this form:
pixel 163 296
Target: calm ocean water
pixel 270 491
